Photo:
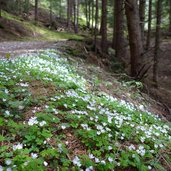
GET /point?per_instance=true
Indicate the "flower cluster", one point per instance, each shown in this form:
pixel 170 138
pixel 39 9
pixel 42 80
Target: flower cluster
pixel 33 121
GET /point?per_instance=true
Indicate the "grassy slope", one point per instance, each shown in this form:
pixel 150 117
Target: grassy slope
pixel 41 32
pixel 51 118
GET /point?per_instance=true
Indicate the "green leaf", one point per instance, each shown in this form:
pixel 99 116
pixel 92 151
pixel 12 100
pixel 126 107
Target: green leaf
pixel 2 138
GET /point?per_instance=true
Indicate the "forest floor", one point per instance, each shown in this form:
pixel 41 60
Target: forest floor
pixel 31 38
pixel 76 50
pixel 59 111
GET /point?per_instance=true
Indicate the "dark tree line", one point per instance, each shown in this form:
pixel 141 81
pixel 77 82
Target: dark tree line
pixel 128 16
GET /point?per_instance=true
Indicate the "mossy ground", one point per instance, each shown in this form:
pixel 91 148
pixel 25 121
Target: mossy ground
pixel 35 31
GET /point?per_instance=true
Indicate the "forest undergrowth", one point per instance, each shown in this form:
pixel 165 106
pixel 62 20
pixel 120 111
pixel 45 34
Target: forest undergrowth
pixel 52 119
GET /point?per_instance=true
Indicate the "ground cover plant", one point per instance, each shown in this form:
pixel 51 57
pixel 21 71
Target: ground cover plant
pixel 51 120
pixel 29 31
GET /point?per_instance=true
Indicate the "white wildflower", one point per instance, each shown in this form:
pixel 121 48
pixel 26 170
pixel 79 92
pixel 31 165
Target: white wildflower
pixel 76 161
pixel 6 91
pixel 9 169
pixel 26 163
pixel 42 123
pixel 60 148
pixel 149 167
pixel 20 107
pixel 89 168
pixel 141 107
pixel 91 156
pixel 17 146
pixel 63 127
pixel 7 113
pixel 45 163
pixel 131 147
pixel 34 155
pixel 103 162
pixel 156 146
pixel 161 145
pixel 32 121
pixel 110 159
pixel 109 147
pixel 8 162
pixel 109 119
pixel 97 160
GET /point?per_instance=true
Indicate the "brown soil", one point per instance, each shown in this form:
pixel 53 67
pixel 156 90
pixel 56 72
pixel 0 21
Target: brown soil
pixel 75 146
pixel 39 90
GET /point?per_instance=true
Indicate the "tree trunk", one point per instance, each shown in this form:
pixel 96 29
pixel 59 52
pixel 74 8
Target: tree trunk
pixel 92 21
pixel 0 8
pixel 169 15
pixel 60 9
pixel 157 42
pixel 96 25
pixel 86 11
pixel 18 4
pixel 68 13
pixel 78 3
pixel 134 32
pixel 118 33
pixel 71 9
pixel 115 15
pixel 142 17
pixel 26 6
pixel 104 27
pixel 89 13
pixel 50 12
pixel 149 25
pixel 36 10
pixel 76 11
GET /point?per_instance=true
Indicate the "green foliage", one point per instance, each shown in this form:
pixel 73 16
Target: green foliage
pixel 46 133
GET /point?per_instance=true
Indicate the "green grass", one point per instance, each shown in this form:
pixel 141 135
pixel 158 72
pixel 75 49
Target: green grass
pixel 42 32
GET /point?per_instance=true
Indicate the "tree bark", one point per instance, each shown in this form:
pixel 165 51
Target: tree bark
pixel 169 15
pixel 0 8
pixel 86 11
pixel 104 27
pixel 142 17
pixel 27 6
pixel 134 32
pixel 76 15
pixel 68 13
pixel 92 13
pixel 118 31
pixel 60 9
pixel 149 25
pixel 89 13
pixel 36 10
pixel 96 25
pixel 77 19
pixel 50 12
pixel 157 42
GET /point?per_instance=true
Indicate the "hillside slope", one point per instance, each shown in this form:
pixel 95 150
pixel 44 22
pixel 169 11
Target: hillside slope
pixel 16 28
pixel 55 115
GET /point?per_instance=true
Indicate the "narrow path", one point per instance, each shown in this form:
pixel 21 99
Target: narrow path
pixel 17 47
